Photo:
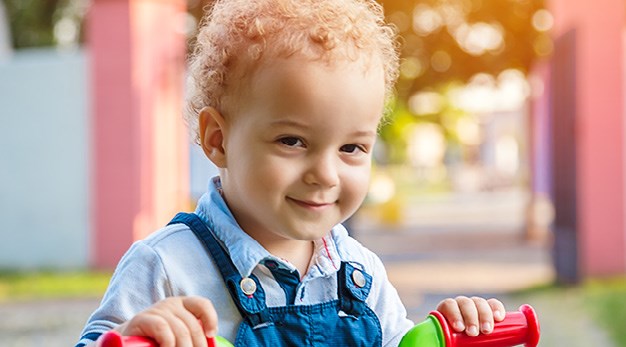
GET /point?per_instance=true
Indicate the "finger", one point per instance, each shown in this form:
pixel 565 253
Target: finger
pixel 497 307
pixel 485 315
pixel 193 331
pixel 470 314
pixel 149 325
pixel 188 328
pixel 450 309
pixel 179 327
pixel 203 310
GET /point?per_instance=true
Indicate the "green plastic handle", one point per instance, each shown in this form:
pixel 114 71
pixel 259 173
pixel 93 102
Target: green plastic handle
pixel 426 334
pixel 222 342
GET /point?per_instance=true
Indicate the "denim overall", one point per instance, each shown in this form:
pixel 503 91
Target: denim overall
pixel 346 321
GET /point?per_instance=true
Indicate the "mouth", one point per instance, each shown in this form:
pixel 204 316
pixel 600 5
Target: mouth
pixel 310 204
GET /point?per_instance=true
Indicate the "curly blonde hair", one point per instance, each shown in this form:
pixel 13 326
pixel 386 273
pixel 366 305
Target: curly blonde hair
pixel 237 33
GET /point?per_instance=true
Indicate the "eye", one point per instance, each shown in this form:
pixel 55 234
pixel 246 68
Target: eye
pixel 352 148
pixel 291 141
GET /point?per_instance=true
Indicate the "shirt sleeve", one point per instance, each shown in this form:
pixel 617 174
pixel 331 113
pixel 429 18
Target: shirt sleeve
pixel 385 302
pixel 138 282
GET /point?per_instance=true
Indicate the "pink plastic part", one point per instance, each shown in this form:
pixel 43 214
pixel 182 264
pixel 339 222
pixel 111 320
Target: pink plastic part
pixel 517 328
pixel 114 339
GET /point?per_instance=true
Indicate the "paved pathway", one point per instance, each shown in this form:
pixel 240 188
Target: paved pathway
pixel 43 323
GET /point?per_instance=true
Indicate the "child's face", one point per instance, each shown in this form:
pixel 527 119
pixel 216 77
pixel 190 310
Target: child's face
pixel 296 153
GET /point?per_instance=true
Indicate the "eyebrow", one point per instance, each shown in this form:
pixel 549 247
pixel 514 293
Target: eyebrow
pixel 289 122
pixel 295 124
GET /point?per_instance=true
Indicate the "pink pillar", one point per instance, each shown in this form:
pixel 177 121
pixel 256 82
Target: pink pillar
pixel 139 143
pixel 599 129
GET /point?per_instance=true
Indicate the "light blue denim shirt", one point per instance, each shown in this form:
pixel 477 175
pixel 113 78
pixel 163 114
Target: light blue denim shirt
pixel 173 262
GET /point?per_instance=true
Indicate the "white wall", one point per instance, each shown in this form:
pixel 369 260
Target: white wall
pixel 201 169
pixel 44 167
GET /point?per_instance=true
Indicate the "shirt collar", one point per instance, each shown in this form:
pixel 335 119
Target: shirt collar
pixel 246 253
pixel 326 259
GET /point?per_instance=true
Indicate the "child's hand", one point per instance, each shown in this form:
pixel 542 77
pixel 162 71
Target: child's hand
pixel 175 321
pixel 468 314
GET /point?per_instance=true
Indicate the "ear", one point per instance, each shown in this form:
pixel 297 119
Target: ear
pixel 211 130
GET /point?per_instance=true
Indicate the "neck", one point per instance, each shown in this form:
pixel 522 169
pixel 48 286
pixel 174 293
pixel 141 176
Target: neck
pixel 298 253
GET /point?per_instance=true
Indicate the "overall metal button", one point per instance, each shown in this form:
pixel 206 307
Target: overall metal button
pixel 248 286
pixel 358 278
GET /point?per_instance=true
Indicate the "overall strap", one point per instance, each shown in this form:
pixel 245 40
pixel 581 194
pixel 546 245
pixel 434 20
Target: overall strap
pixel 353 287
pixel 202 232
pixel 247 293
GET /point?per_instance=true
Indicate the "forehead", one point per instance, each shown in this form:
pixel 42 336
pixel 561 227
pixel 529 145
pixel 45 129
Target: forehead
pixel 300 86
pixel 300 67
pixel 250 75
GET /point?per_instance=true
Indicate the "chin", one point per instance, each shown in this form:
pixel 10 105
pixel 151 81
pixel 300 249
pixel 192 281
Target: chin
pixel 305 235
pixel 312 231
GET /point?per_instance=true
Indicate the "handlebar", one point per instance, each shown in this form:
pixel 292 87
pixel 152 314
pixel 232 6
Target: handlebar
pixel 518 327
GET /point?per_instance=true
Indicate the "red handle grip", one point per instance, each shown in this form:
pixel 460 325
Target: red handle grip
pixel 114 339
pixel 518 327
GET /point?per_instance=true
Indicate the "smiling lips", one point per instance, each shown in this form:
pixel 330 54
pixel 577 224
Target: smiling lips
pixel 311 204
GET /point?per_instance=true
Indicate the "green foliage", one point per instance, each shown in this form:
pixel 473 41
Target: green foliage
pixel 606 299
pixel 396 129
pixel 51 285
pixel 32 22
pixel 512 17
pixel 393 130
pixel 569 308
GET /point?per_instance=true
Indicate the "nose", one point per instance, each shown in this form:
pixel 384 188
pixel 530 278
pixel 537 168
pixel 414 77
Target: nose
pixel 323 170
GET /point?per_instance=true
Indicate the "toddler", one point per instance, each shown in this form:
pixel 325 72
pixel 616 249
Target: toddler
pixel 286 100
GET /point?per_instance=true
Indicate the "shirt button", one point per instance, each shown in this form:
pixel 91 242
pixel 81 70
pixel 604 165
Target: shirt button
pixel 358 278
pixel 248 286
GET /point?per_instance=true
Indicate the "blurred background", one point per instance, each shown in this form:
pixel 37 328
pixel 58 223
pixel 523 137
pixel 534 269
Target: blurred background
pixel 499 171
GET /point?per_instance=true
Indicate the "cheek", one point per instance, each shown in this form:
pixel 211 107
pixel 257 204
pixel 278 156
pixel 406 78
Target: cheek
pixel 265 174
pixel 356 184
